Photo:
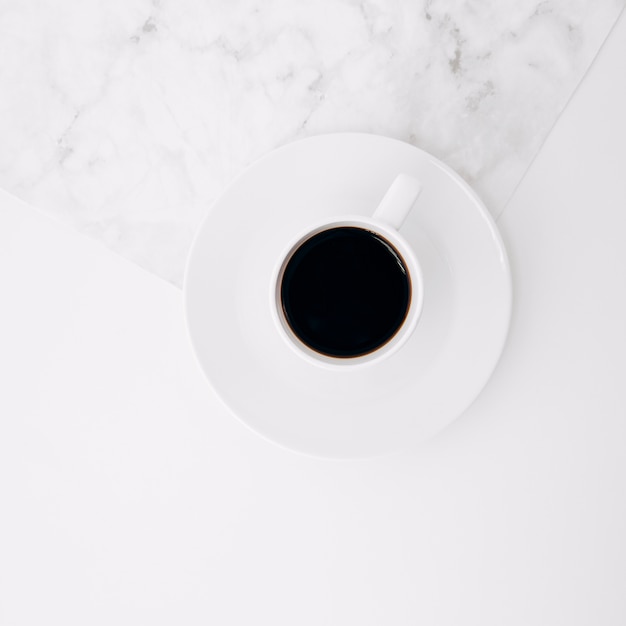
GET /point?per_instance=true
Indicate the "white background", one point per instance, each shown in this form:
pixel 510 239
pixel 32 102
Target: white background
pixel 128 494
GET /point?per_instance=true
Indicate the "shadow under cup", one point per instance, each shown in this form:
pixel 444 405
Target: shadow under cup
pixel 345 292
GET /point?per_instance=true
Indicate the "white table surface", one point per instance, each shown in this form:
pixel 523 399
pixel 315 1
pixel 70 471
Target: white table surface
pixel 128 494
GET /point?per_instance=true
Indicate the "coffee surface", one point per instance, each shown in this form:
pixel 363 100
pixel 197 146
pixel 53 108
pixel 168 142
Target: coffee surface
pixel 345 292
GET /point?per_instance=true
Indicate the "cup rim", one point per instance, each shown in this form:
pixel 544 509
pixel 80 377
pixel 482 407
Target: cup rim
pixel 400 336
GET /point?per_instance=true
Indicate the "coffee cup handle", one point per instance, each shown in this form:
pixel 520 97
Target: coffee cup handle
pixel 398 201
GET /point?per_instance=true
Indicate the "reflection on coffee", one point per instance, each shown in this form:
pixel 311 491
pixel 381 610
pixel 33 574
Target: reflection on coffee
pixel 345 292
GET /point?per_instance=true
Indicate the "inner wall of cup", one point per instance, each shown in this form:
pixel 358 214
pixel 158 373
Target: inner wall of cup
pixel 380 348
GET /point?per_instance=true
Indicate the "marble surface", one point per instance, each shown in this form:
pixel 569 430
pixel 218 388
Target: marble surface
pixel 127 118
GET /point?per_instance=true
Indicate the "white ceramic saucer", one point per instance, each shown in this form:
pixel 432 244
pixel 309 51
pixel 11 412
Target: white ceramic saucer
pixel 366 411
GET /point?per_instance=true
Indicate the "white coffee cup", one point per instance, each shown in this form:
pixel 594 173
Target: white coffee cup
pixel 378 238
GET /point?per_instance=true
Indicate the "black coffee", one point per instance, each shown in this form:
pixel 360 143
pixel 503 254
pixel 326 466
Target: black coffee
pixel 345 292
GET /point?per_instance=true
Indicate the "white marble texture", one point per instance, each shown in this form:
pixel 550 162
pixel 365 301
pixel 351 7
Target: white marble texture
pixel 126 118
